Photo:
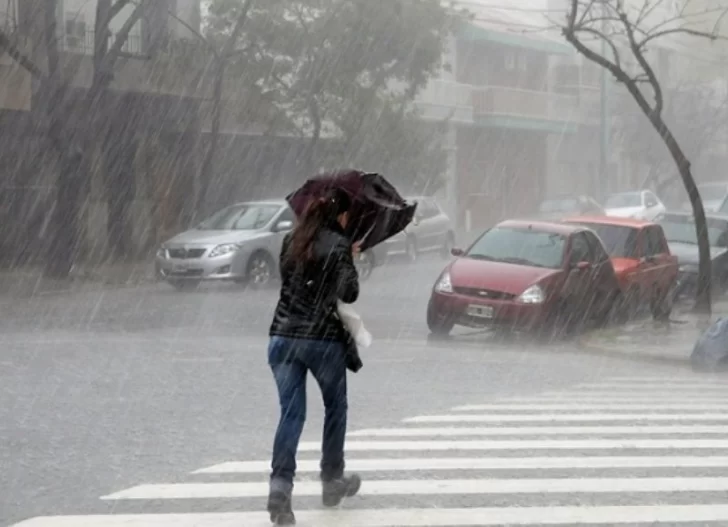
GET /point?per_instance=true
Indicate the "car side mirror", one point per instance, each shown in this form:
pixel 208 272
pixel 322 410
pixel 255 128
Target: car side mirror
pixel 285 225
pixel 582 266
pixel 457 252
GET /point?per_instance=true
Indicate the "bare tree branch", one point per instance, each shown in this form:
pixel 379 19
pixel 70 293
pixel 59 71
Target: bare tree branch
pixel 199 36
pixel 18 56
pixel 653 112
pixel 123 34
pixel 676 31
pixel 640 57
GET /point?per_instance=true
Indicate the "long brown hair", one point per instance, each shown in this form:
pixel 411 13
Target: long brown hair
pixel 318 214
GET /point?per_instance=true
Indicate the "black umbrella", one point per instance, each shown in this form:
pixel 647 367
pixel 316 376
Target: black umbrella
pixel 378 211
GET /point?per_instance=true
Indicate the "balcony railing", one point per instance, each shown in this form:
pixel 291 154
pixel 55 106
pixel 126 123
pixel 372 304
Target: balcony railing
pixel 530 104
pixel 83 43
pixel 484 101
pixel 447 93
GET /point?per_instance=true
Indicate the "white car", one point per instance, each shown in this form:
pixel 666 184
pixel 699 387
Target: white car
pixel 713 195
pixel 638 204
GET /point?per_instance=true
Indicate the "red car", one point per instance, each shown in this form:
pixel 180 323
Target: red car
pixel 526 275
pixel 646 270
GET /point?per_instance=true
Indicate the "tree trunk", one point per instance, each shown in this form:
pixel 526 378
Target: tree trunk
pixel 118 180
pixel 63 247
pixel 64 243
pixel 208 162
pixel 703 293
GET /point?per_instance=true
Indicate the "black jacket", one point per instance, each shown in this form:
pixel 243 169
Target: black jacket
pixel 307 305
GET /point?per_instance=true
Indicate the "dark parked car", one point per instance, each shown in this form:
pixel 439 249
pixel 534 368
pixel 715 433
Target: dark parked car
pixel 679 228
pixel 525 275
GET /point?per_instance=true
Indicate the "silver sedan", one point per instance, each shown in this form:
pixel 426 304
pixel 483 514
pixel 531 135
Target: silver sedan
pixel 240 243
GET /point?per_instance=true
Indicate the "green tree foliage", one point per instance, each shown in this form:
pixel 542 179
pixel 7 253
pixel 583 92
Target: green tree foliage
pixel 344 69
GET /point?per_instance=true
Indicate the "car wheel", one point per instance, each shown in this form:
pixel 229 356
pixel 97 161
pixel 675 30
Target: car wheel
pixel 365 264
pixel 410 249
pixel 661 304
pixel 185 285
pixel 259 271
pixel 439 324
pixel 449 244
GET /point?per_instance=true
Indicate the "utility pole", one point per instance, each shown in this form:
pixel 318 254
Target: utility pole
pixel 604 127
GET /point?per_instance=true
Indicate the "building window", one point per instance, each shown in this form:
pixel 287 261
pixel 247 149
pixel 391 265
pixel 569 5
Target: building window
pixel 75 32
pixel 510 60
pixel 522 62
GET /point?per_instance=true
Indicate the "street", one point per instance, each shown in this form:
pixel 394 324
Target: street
pixel 149 407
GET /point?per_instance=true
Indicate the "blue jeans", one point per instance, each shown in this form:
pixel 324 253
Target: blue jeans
pixel 291 360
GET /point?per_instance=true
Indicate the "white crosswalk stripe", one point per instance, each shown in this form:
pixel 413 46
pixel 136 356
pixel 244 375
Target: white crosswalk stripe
pixel 640 450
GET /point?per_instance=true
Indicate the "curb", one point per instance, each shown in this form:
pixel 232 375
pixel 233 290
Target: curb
pixel 76 285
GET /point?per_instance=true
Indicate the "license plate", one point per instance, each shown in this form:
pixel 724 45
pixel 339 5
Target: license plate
pixel 179 269
pixel 480 311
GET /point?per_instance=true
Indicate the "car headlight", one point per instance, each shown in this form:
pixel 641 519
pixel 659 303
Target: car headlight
pixel 162 253
pixel 532 295
pixel 223 249
pixel 444 284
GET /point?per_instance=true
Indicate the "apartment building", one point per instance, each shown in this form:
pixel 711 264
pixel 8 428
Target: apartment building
pixel 152 113
pixel 524 112
pixel 502 111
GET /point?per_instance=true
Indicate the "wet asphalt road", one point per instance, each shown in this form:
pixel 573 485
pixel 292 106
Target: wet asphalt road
pixel 105 390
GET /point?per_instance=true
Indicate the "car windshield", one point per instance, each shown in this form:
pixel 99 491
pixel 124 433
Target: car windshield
pixel 521 247
pixel 682 230
pixel 712 191
pixel 243 217
pixel 559 205
pixel 624 200
pixel 618 240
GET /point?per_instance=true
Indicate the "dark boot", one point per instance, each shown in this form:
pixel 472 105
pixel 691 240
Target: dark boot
pixel 279 507
pixel 333 491
pixel 279 502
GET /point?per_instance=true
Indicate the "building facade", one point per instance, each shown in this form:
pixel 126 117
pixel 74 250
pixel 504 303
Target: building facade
pixel 149 116
pixel 503 113
pixel 526 120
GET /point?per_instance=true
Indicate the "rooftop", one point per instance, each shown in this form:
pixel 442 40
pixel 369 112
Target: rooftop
pixel 609 220
pixel 540 226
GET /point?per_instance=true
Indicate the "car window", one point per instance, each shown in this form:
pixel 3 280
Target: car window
pixel 624 200
pixel 597 250
pixel 287 215
pixel 681 229
pixel 712 191
pixel 246 216
pixel 559 205
pixel 724 207
pixel 593 206
pixel 619 241
pixel 580 251
pixel 429 210
pixel 521 247
pixel 652 241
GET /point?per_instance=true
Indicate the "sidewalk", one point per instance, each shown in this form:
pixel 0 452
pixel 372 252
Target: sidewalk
pixel 27 282
pixel 653 341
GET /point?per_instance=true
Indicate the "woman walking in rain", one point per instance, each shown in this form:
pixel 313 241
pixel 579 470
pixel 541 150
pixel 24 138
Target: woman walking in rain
pixel 317 269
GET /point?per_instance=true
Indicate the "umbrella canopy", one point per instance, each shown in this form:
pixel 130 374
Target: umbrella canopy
pixel 377 213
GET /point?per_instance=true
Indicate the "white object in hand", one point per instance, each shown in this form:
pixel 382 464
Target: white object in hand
pixel 354 324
